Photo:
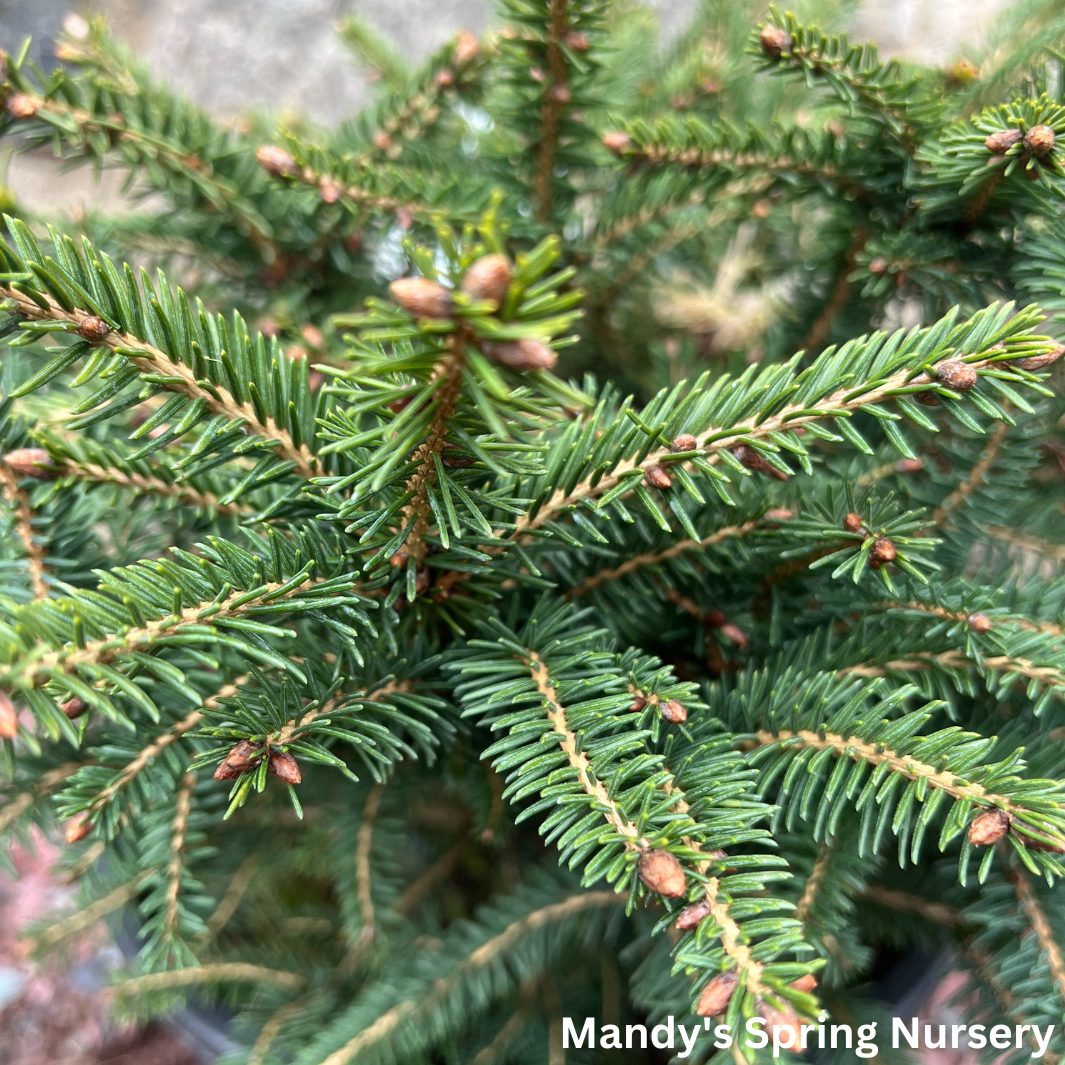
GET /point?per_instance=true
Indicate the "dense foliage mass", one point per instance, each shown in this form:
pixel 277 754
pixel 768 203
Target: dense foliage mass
pixel 619 572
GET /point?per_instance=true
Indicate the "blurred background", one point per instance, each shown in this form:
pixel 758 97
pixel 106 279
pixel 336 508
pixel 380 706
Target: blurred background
pixel 282 57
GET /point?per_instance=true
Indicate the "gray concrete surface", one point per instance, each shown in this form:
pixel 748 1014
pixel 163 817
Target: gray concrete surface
pixel 283 55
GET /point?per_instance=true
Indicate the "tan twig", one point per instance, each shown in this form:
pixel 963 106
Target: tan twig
pixel 86 918
pixel 786 419
pixel 417 512
pixel 484 955
pixel 23 515
pixel 171 158
pixel 813 884
pixel 939 912
pixel 653 558
pixel 231 899
pixel 837 299
pixel 270 1031
pixel 11 811
pixel 218 972
pixel 876 754
pixel 90 471
pixel 555 97
pixel 161 742
pixel 181 378
pixel 362 862
pixel 178 831
pixel 506 1035
pixel 578 760
pixel 1048 943
pixel 41 667
pixel 952 615
pixel 976 477
pixel 1028 543
pixel 436 874
pixel 292 728
pixel 1022 667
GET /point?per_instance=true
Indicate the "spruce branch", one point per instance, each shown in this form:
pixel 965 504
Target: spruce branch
pixel 975 478
pixel 482 956
pixel 22 512
pixel 212 973
pixel 905 902
pixel 654 558
pixel 179 377
pixel 555 99
pixel 82 131
pixel 177 849
pixel 892 370
pixel 1048 942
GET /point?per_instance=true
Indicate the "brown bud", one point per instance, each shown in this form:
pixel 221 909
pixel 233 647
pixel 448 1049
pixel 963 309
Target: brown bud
pixel 957 376
pixel 774 41
pixel 908 465
pixel 657 477
pixel 242 757
pixel 715 618
pixel 999 143
pixel 421 297
pixel 683 442
pixel 662 873
pixel 638 703
pixel 329 190
pixel 560 93
pixel 617 142
pixel 444 78
pixel 399 559
pixel 21 105
pixel 93 329
pixel 779 514
pixel 752 460
pixel 453 456
pixel 8 718
pixel 691 916
pixel 577 41
pixel 74 707
pixel 927 399
pixel 488 279
pixel 883 551
pixel 716 995
pixel 277 161
pixel 466 48
pixel 1038 362
pixel 734 634
pixel 980 623
pixel 397 406
pixel 284 767
pixel 32 462
pixel 382 141
pixel 853 523
pixel 1039 140
pixel 673 712
pixel 78 828
pixel 521 355
pixel 804 983
pixel 1049 845
pixel 988 827
pixel 879 267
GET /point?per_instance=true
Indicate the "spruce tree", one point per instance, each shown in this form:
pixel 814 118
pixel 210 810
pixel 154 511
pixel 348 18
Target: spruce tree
pixel 617 576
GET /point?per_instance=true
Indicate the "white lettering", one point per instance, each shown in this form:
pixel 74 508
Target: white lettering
pixel 898 1028
pixel 754 1027
pixel 996 1038
pixel 723 1032
pixel 689 1044
pixel 1042 1041
pixel 668 1029
pixel 569 1032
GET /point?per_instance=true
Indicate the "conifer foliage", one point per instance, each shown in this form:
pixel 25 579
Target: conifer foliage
pixel 582 538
